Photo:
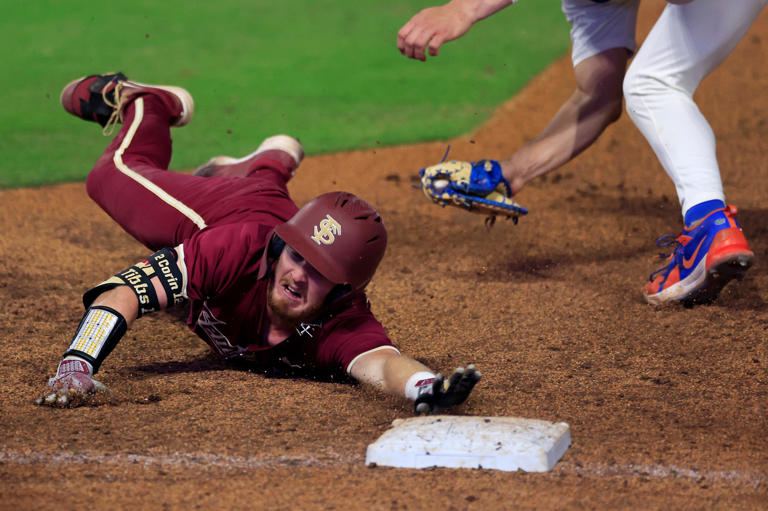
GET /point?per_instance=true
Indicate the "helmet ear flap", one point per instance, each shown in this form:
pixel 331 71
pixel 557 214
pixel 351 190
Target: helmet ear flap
pixel 275 248
pixel 338 291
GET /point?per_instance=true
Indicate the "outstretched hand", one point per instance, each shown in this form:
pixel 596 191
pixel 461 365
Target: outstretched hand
pixel 430 28
pixel 445 394
pixel 70 387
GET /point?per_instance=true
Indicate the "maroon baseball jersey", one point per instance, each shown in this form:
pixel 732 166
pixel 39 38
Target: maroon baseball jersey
pixel 222 225
pixel 227 287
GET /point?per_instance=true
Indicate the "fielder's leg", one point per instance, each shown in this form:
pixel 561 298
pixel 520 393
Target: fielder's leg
pixel 685 45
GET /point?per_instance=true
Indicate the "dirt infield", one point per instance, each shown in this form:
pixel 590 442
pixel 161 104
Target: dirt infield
pixel 667 406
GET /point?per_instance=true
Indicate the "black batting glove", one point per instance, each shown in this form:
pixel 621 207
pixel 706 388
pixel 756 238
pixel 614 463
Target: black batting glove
pixel 445 394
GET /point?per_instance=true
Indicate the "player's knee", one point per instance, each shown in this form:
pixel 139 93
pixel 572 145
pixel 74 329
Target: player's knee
pixel 636 85
pixel 631 85
pixel 97 183
pixel 639 85
pixel 93 182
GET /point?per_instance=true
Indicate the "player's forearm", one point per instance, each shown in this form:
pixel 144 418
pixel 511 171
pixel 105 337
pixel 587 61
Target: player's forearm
pixel 105 322
pixel 387 370
pixel 111 309
pixel 577 124
pixel 595 103
pixel 113 305
pixel 398 370
pixel 403 376
pixel 477 10
pixel 122 300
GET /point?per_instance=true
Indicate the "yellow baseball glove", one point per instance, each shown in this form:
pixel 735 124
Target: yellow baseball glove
pixel 475 186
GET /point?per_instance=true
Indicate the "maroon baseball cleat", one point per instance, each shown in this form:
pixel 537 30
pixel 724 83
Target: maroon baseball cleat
pixel 101 98
pixel 285 149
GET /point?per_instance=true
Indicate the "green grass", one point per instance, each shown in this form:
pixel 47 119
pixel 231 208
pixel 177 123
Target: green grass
pixel 326 71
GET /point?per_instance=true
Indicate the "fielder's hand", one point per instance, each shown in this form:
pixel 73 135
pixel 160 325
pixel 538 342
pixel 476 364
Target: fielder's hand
pixel 430 28
pixel 452 392
pixel 477 186
pixel 70 387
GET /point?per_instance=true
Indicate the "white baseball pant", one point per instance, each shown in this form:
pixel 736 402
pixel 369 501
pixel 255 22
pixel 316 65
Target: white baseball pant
pixel 686 44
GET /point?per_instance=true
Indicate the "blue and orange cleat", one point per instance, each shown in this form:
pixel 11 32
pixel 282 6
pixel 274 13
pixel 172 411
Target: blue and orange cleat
pixel 705 258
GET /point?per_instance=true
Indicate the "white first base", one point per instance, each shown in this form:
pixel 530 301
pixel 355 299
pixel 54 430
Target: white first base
pixel 500 443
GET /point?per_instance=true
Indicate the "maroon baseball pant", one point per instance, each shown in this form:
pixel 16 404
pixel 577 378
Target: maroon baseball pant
pixel 160 208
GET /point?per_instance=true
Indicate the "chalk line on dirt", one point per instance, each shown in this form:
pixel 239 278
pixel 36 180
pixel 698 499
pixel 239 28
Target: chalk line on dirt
pixel 663 471
pixel 330 459
pixel 181 459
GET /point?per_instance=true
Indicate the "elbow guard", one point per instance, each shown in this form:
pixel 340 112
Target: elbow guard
pixel 161 264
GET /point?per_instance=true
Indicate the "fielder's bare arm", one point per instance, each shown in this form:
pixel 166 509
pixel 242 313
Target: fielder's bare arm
pixel 264 280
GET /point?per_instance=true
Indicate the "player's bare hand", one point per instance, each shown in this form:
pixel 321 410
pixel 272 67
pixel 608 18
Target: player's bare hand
pixel 448 393
pixel 71 386
pixel 430 28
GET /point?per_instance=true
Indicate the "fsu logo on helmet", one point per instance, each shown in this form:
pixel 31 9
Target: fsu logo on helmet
pixel 327 232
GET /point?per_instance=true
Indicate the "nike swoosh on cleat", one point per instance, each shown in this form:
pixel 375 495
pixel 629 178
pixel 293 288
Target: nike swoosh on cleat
pixel 688 263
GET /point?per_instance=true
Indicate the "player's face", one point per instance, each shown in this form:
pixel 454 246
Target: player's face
pixel 298 290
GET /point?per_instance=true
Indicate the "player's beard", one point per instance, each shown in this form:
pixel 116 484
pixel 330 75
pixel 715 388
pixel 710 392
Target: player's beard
pixel 285 313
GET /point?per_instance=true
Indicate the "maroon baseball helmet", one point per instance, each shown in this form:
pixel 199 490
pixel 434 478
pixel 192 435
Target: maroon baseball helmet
pixel 340 235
